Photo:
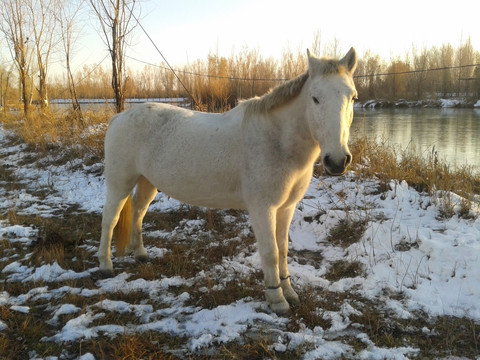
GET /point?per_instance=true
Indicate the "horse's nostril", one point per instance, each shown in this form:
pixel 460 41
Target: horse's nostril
pixel 327 161
pixel 348 160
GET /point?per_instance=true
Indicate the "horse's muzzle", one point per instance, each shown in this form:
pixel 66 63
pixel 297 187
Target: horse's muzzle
pixel 336 168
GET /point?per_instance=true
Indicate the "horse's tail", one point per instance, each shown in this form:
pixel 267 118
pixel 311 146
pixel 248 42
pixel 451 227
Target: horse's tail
pixel 124 227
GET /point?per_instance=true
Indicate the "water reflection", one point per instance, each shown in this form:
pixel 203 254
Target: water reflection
pixel 453 132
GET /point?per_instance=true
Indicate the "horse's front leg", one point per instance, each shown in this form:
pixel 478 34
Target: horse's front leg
pixel 284 218
pixel 264 224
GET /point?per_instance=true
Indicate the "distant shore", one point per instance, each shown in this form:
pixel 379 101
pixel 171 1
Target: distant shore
pixel 439 103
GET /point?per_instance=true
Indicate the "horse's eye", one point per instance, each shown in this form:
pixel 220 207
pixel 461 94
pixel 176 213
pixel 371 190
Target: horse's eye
pixel 354 97
pixel 315 100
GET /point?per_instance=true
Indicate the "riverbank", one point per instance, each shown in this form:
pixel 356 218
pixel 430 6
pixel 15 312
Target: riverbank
pixel 402 104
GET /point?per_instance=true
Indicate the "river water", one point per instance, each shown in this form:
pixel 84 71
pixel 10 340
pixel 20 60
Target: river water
pixel 453 133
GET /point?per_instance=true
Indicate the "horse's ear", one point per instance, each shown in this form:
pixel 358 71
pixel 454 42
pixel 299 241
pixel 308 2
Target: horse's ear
pixel 308 54
pixel 350 60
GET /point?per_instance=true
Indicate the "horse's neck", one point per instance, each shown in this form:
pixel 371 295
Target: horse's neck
pixel 297 134
pixel 294 118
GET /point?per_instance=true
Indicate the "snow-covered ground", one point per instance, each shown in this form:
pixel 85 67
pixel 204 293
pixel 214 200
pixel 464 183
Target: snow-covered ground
pixel 438 103
pixel 412 260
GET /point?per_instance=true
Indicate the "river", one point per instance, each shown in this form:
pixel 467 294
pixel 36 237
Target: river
pixel 453 133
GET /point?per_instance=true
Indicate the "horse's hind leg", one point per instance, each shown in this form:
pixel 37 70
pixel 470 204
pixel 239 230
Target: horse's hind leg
pixel 284 218
pixel 111 213
pixel 144 195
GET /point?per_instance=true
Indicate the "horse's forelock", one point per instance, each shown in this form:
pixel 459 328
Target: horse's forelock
pixel 325 66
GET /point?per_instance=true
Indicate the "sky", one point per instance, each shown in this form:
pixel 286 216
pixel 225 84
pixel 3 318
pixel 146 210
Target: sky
pixel 188 30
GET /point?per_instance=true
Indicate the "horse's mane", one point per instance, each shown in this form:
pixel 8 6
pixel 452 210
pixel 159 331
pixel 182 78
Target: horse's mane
pixel 276 96
pixel 288 91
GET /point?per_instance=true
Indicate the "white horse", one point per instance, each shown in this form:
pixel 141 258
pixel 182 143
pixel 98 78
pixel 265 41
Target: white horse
pixel 258 156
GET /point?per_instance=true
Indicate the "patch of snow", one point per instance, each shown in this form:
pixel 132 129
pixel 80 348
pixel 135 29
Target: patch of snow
pixel 21 309
pixel 47 273
pixel 17 233
pixel 64 309
pixel 87 356
pixel 449 103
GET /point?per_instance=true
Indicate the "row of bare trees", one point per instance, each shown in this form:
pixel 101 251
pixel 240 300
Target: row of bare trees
pixel 217 83
pixel 449 72
pixel 33 29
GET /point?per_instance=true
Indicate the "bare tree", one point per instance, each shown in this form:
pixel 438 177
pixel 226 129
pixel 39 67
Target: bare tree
pixel 43 21
pixel 446 61
pixel 465 56
pixel 67 18
pixel 115 18
pixel 4 86
pixel 420 62
pixel 14 25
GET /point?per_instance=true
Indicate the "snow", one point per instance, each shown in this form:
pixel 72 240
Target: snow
pixel 449 103
pixel 407 249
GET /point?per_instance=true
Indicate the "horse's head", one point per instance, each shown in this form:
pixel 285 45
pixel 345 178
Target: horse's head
pixel 330 108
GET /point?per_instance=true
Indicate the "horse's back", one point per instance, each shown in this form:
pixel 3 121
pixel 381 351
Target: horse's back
pixel 191 156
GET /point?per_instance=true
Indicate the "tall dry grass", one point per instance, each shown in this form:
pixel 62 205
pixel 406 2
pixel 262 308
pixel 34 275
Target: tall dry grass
pixel 427 173
pixel 73 135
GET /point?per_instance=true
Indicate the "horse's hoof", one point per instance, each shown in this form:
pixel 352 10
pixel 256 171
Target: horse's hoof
pixel 142 258
pixel 105 273
pixel 291 297
pixel 277 301
pixel 280 308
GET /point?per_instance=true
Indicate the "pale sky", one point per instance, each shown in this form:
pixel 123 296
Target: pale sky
pixel 187 30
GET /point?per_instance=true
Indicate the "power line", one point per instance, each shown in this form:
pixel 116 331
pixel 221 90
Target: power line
pixel 163 57
pixel 210 75
pixel 417 71
pixel 86 76
pixel 234 78
pixel 93 69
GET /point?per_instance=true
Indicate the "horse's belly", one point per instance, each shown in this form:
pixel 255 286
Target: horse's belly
pixel 206 196
pixel 199 186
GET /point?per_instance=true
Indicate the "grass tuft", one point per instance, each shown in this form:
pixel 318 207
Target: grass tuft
pixel 347 232
pixel 344 269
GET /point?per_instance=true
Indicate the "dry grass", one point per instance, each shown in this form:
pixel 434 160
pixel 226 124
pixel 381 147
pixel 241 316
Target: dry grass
pixel 76 137
pixel 430 174
pixel 347 232
pixel 425 173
